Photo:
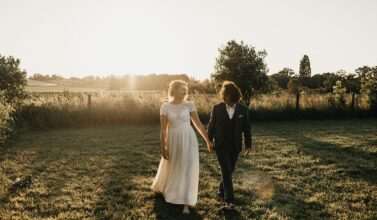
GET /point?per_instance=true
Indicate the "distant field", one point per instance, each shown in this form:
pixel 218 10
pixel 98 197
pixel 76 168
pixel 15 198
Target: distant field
pixel 55 88
pixel 299 170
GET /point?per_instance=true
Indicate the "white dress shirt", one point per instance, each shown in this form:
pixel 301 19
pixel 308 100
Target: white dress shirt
pixel 230 110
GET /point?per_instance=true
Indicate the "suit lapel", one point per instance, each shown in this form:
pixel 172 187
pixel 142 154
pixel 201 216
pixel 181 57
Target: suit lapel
pixel 223 109
pixel 236 110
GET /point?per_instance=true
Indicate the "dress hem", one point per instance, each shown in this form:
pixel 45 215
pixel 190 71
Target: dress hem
pixel 176 203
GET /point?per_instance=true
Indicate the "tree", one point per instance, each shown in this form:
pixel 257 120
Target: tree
pixel 339 94
pixel 283 76
pixel 12 79
pixel 240 63
pixel 368 78
pixel 6 120
pixel 40 77
pixel 305 70
pixel 353 86
pixel 366 72
pixel 329 80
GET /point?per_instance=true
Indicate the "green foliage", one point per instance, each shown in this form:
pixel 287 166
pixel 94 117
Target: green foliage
pixel 12 93
pixel 242 64
pixel 352 83
pixel 368 78
pixel 6 120
pixel 339 94
pixel 283 76
pixel 366 72
pixel 329 81
pixel 205 86
pixel 295 86
pixel 273 86
pixel 370 88
pixel 305 70
pixel 12 79
pixel 41 77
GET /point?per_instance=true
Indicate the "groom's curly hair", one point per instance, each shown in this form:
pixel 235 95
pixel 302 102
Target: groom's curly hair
pixel 231 90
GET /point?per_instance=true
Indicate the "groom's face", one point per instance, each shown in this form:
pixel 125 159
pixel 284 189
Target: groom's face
pixel 227 101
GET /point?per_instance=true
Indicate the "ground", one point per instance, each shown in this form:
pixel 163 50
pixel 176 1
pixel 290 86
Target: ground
pixel 298 170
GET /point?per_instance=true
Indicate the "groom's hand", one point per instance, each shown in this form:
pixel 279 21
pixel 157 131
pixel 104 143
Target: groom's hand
pixel 210 146
pixel 248 152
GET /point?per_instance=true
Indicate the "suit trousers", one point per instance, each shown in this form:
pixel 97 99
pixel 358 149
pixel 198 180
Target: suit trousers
pixel 227 159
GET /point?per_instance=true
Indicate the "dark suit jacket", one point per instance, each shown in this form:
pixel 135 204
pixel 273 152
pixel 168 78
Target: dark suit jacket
pixel 216 126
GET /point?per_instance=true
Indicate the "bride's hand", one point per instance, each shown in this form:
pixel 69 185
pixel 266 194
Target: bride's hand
pixel 210 146
pixel 165 153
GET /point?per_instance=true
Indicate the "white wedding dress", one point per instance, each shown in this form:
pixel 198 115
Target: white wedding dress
pixel 178 178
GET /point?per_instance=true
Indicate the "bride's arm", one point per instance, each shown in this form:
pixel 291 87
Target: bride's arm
pixel 199 126
pixel 163 134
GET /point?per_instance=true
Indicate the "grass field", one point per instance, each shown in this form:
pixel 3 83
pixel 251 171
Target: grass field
pixel 299 170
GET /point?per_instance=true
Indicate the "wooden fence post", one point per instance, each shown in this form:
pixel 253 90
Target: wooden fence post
pixel 89 103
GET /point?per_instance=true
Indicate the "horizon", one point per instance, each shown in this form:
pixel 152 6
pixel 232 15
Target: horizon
pixel 82 38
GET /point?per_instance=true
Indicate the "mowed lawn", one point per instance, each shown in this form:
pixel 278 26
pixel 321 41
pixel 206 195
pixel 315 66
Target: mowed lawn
pixel 299 170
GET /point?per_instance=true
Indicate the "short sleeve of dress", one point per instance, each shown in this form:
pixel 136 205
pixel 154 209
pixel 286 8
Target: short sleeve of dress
pixel 163 109
pixel 192 107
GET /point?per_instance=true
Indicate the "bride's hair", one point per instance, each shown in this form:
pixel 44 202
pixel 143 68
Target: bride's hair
pixel 174 85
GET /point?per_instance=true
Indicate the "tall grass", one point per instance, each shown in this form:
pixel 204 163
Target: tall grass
pixel 312 106
pixel 45 110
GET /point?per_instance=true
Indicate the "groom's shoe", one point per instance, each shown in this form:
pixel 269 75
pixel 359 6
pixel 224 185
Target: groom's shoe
pixel 229 206
pixel 186 210
pixel 220 199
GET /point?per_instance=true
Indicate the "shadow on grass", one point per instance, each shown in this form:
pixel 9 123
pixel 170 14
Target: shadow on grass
pixel 166 210
pixel 356 163
pixel 28 178
pixel 115 198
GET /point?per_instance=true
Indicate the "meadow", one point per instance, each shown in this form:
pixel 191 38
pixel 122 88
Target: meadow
pixel 49 109
pixel 298 170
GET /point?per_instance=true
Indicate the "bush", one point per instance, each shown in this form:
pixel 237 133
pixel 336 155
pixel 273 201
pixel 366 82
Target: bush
pixel 339 95
pixel 12 80
pixel 369 88
pixel 12 93
pixel 6 120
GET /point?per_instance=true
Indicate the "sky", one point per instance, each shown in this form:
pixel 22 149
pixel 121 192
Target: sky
pixel 119 37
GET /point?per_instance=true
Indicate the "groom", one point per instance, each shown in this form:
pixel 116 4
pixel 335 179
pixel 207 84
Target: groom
pixel 229 119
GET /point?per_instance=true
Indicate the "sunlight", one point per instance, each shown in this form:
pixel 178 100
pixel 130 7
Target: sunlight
pixel 263 186
pixel 131 82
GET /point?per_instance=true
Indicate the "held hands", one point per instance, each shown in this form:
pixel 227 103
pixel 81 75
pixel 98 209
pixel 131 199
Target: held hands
pixel 248 152
pixel 165 153
pixel 210 146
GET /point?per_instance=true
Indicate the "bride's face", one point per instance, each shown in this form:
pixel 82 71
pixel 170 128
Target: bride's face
pixel 181 92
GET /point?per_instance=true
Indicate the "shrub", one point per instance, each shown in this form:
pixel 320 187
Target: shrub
pixel 12 80
pixel 369 88
pixel 339 95
pixel 6 120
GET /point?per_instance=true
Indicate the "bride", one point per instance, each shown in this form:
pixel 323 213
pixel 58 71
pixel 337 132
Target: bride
pixel 177 176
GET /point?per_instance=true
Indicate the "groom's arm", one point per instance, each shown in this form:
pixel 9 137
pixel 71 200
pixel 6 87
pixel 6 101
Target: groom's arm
pixel 211 125
pixel 247 130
